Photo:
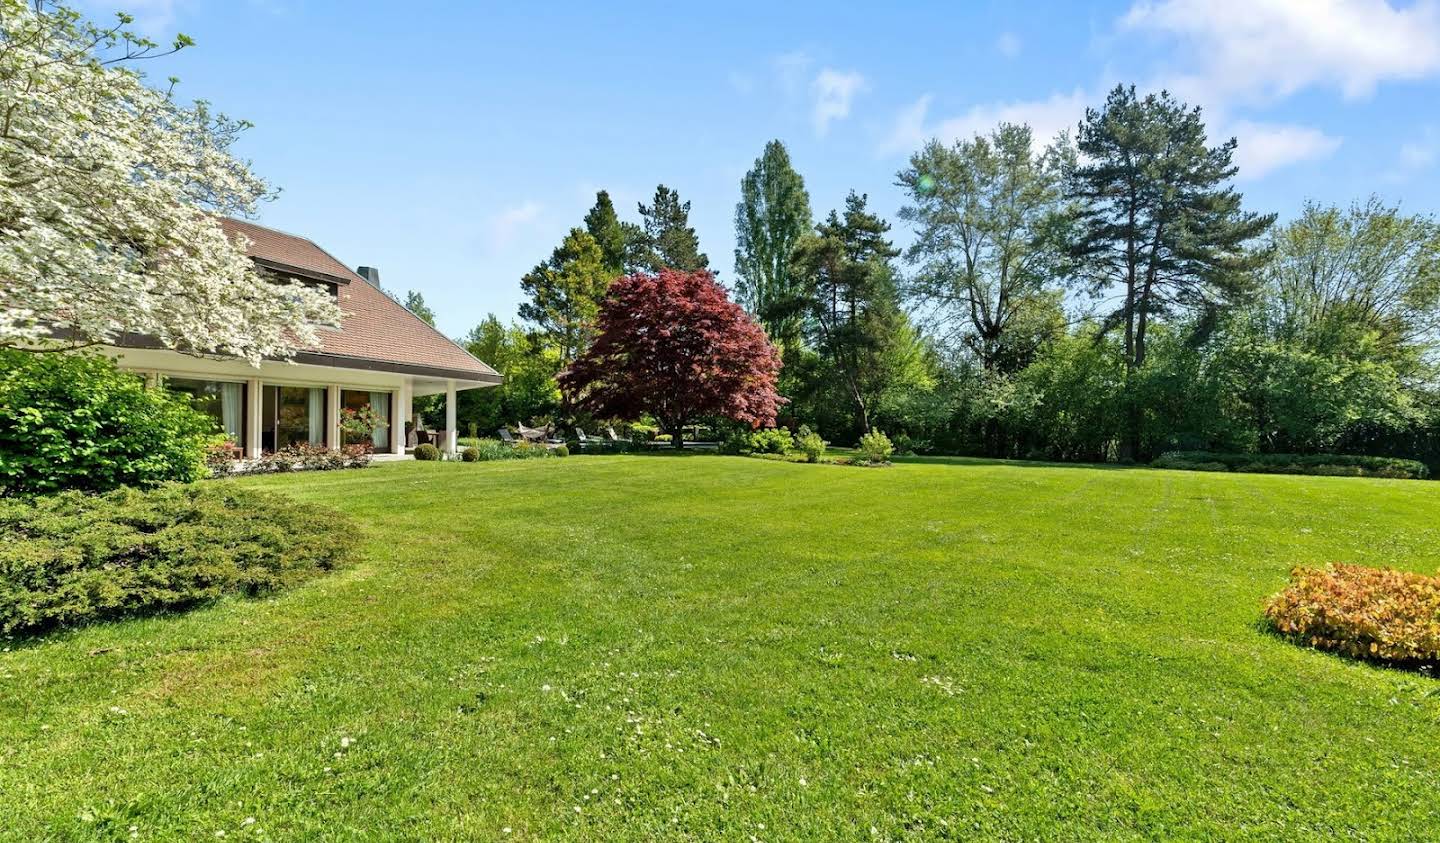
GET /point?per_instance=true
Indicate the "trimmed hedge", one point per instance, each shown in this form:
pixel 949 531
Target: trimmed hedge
pixel 71 558
pixel 1335 465
pixel 1368 613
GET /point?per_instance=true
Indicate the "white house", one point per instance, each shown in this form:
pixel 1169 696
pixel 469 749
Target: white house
pixel 382 355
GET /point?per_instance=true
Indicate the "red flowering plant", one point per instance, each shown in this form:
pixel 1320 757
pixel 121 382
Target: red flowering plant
pixel 358 425
pixel 673 345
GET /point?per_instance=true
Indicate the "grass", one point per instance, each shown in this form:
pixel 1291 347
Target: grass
pixel 637 647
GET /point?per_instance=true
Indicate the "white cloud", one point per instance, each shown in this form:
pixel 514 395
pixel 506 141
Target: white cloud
pixel 1008 45
pixel 1046 118
pixel 504 225
pixel 833 91
pixel 791 71
pixel 1256 51
pixel 1421 153
pixel 1264 147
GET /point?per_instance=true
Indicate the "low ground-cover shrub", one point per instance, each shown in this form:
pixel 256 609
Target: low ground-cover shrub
pixel 427 452
pixel 71 558
pixel 1340 465
pixel 75 421
pixel 1369 613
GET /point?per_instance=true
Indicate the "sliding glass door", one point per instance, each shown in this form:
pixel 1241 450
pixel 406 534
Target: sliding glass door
pixel 292 415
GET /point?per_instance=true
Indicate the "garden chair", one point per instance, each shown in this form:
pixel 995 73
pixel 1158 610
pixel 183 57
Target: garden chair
pixel 586 442
pixel 610 432
pixel 505 436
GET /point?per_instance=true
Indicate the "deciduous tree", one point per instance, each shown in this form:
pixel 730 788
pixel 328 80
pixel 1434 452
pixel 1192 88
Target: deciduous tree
pixel 673 345
pixel 987 216
pixel 110 194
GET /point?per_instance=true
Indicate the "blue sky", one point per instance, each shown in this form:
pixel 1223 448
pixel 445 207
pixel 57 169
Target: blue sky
pixel 452 145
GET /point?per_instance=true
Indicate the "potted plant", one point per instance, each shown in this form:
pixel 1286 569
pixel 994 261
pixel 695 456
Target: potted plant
pixel 358 425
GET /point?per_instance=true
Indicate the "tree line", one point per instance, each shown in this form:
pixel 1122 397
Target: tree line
pixel 1104 296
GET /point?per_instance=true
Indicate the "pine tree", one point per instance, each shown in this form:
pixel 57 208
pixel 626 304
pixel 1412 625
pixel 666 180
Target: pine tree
pixel 565 292
pixel 1159 223
pixel 669 241
pixel 771 217
pixel 846 282
pixel 615 238
pixel 415 303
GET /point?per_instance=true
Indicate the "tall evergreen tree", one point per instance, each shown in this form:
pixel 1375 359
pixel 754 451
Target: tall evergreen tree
pixel 846 281
pixel 617 239
pixel 669 241
pixel 415 303
pixel 565 292
pixel 771 217
pixel 1159 227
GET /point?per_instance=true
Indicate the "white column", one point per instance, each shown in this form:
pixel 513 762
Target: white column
pixel 399 414
pixel 254 402
pixel 450 433
pixel 332 417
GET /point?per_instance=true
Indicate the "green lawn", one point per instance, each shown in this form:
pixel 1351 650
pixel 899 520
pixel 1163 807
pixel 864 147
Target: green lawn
pixel 702 647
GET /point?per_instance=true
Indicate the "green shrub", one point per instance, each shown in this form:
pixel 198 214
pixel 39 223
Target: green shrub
pixel 71 558
pixel 876 447
pixel 1368 613
pixel 810 444
pixel 492 449
pixel 470 455
pixel 735 443
pixel 427 452
pixel 75 421
pixel 1336 465
pixel 776 440
pixel 560 451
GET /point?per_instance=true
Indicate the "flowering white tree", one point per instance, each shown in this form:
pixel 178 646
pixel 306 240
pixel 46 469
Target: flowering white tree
pixel 110 196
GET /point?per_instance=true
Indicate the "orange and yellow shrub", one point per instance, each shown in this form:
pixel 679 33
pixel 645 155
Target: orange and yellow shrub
pixel 1370 613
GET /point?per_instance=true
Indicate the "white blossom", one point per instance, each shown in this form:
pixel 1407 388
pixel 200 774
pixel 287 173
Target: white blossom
pixel 110 198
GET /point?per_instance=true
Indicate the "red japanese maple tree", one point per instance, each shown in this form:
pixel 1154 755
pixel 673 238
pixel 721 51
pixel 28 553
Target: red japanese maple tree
pixel 673 345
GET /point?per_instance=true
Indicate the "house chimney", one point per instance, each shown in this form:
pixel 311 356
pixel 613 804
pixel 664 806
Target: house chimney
pixel 371 274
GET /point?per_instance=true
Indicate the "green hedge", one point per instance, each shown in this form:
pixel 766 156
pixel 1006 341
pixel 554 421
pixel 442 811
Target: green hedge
pixel 1337 465
pixel 70 558
pixel 75 421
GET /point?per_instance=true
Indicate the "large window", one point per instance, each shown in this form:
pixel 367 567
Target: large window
pixel 354 399
pixel 222 401
pixel 292 415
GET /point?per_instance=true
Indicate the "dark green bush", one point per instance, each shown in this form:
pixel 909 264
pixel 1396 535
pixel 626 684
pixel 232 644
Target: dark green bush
pixel 71 558
pixel 560 451
pixel 470 455
pixel 427 452
pixel 1339 465
pixel 75 421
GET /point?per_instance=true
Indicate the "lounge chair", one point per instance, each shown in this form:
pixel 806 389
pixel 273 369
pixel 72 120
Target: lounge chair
pixel 539 436
pixel 610 433
pixel 586 442
pixel 505 436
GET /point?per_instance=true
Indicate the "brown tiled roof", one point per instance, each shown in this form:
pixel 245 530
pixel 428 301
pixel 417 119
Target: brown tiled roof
pixel 375 328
